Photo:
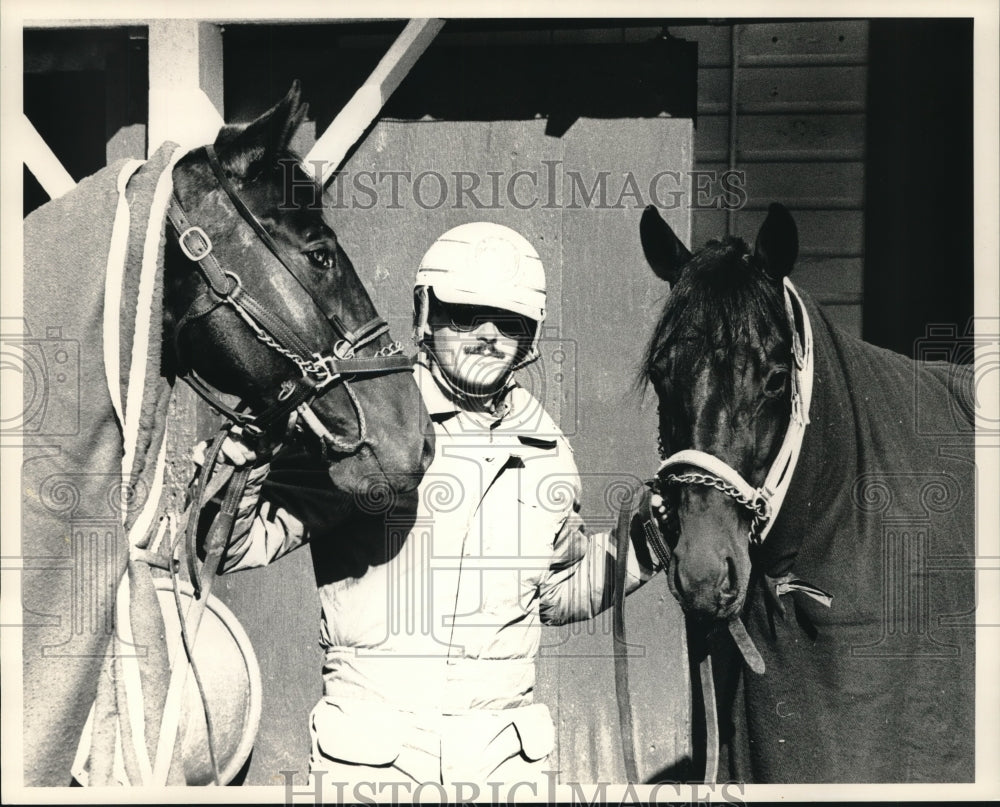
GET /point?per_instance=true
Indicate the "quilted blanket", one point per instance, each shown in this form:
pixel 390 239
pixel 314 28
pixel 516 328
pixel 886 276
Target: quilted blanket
pixel 94 464
pixel 880 686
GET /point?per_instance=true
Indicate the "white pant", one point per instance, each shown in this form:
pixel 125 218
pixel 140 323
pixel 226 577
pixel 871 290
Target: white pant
pixel 369 743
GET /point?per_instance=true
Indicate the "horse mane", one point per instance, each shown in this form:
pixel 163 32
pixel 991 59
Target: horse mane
pixel 721 300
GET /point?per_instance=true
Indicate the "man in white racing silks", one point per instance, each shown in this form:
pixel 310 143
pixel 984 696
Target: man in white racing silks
pixel 430 641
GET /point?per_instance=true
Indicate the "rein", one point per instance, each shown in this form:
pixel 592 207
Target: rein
pixel 319 371
pixel 212 479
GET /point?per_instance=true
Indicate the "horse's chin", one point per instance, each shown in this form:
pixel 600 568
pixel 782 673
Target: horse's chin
pixel 721 612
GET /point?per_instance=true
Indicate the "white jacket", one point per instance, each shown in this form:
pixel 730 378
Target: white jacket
pixel 441 611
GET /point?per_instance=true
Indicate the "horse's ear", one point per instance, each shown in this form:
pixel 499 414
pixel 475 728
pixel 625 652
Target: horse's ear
pixel 244 149
pixel 663 249
pixel 777 244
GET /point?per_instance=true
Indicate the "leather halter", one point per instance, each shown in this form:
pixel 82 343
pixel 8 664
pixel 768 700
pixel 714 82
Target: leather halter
pixel 763 502
pixel 319 371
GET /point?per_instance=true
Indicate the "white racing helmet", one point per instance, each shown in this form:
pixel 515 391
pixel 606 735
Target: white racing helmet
pixel 484 264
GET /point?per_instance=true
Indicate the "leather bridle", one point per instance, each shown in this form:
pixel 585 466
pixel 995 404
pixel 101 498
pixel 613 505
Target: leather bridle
pixel 319 371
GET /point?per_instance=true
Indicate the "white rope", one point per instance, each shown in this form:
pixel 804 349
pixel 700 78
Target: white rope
pixel 144 521
pixel 144 303
pixel 129 414
pixel 113 278
pixel 133 682
pixel 173 703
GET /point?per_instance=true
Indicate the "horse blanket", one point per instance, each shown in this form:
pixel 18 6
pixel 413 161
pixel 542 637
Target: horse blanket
pixel 95 445
pixel 880 686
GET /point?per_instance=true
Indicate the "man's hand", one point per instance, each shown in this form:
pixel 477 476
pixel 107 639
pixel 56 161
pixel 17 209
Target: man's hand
pixel 237 451
pixel 234 452
pixel 658 507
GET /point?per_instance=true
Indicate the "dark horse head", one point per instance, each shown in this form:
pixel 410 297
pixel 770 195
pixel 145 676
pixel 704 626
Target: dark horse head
pixel 286 320
pixel 720 361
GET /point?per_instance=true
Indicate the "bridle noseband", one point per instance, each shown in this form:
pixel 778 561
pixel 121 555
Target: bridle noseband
pixel 320 371
pixel 763 502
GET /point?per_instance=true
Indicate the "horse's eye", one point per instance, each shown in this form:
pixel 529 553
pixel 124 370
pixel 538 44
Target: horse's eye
pixel 776 381
pixel 322 257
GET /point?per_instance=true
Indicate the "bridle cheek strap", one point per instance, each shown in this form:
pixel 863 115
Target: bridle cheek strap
pixel 765 502
pixel 779 476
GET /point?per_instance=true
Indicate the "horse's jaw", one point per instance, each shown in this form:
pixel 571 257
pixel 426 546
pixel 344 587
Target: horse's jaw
pixel 372 484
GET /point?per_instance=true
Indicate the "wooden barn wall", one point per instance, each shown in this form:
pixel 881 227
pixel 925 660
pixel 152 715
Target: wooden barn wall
pixel 794 121
pixel 602 299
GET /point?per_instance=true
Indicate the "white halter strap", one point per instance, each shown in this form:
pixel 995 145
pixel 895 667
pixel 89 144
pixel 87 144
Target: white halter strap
pixel 765 502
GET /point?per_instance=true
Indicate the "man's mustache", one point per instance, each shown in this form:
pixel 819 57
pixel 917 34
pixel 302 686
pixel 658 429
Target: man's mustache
pixel 483 349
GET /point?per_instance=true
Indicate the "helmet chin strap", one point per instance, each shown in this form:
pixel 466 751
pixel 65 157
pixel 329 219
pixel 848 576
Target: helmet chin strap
pixel 484 400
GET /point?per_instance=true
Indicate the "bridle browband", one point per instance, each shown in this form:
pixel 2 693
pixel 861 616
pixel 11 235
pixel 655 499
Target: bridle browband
pixel 320 371
pixel 763 502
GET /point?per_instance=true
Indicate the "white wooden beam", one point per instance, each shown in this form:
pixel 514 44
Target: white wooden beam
pixel 365 105
pixel 43 163
pixel 185 82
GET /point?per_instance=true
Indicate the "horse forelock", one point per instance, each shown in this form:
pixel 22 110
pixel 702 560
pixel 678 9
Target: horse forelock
pixel 720 302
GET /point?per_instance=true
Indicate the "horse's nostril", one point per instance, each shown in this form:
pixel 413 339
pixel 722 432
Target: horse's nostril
pixel 731 583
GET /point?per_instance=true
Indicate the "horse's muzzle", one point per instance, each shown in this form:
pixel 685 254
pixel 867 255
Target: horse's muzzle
pixel 714 597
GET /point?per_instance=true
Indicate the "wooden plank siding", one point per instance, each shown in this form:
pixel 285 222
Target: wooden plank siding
pixel 799 116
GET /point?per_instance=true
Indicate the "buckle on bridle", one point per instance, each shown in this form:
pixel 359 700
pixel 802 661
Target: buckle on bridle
pixel 760 507
pixel 326 371
pixel 343 350
pixel 192 254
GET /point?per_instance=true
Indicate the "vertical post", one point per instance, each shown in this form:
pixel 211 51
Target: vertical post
pixel 186 107
pixel 185 82
pixel 734 115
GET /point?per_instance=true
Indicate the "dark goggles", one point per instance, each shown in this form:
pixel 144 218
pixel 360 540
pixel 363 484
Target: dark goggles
pixel 465 318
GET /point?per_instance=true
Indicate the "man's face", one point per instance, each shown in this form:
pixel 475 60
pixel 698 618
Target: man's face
pixel 477 346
